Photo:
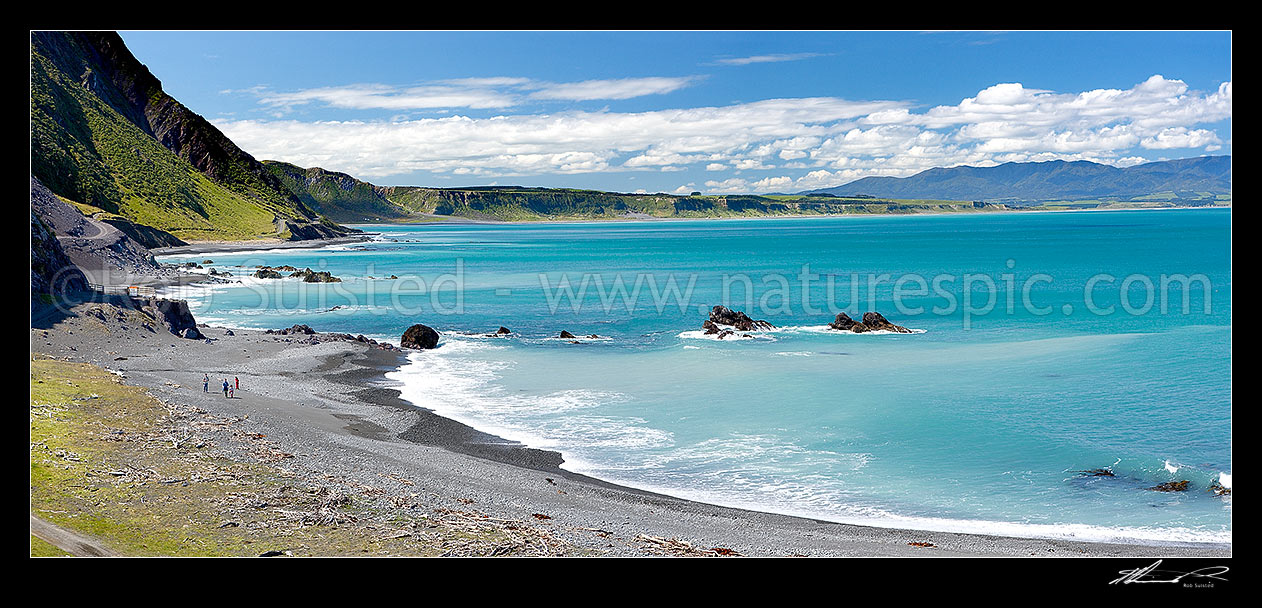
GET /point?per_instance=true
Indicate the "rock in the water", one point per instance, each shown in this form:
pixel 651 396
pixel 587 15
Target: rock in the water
pixel 266 273
pixel 503 331
pixel 843 322
pixel 872 321
pixel 1171 486
pixel 1098 473
pixel 1219 489
pixel 565 334
pixel 419 336
pixel 722 315
pixel 876 322
pixel 310 276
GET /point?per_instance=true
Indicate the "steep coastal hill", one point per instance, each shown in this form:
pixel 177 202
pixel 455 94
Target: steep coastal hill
pixel 1188 180
pixel 337 196
pixel 105 136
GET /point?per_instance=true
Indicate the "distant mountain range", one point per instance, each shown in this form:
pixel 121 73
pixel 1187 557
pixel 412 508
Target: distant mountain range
pixel 1055 180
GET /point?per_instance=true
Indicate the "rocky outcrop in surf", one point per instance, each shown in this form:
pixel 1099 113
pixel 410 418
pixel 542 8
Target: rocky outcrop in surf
pixel 310 276
pixel 722 315
pixel 872 321
pixel 420 337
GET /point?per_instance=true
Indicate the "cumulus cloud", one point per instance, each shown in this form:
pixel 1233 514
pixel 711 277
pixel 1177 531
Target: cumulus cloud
pixel 797 143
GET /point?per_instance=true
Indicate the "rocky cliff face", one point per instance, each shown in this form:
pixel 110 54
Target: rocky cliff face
pixel 52 272
pixel 89 244
pixel 97 113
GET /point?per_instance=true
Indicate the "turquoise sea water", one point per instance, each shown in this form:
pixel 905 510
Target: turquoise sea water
pixel 980 421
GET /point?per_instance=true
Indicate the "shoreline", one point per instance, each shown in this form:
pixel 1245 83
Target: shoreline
pixel 256 245
pixel 333 397
pixel 468 221
pixel 948 526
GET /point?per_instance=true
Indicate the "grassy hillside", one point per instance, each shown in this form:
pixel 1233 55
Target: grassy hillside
pixel 103 134
pixel 337 196
pixel 514 203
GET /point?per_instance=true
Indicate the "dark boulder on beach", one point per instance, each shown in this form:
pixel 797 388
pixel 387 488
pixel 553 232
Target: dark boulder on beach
pixel 296 329
pixel 419 336
pixel 174 315
pixel 722 315
pixel 565 334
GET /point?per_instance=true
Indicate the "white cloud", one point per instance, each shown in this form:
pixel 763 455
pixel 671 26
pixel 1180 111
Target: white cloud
pixel 622 88
pixel 771 58
pixel 472 93
pixel 1180 137
pixel 382 97
pixel 807 140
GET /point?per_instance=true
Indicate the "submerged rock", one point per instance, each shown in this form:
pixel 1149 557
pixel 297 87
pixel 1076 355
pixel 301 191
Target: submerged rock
pixel 722 315
pixel 1098 473
pixel 419 336
pixel 1171 486
pixel 1219 489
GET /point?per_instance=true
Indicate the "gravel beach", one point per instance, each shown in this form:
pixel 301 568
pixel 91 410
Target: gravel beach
pixel 328 403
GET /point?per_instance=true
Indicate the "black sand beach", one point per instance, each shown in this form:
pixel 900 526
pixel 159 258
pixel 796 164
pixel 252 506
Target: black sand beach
pixel 329 404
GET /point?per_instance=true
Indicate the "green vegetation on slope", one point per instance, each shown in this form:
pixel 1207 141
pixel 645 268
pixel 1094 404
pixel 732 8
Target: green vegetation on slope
pixel 338 196
pixel 105 135
pixel 513 203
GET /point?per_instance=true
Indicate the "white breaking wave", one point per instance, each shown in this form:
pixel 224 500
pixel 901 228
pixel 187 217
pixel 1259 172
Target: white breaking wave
pixel 454 382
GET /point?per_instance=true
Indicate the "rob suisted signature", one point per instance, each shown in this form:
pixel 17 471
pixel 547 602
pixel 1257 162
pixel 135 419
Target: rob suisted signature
pixel 1151 574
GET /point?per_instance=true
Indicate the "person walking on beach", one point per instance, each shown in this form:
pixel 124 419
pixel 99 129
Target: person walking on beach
pixel 232 393
pixel 205 383
pixel 225 388
pixel 237 381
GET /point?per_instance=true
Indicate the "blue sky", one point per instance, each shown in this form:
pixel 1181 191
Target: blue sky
pixel 718 112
